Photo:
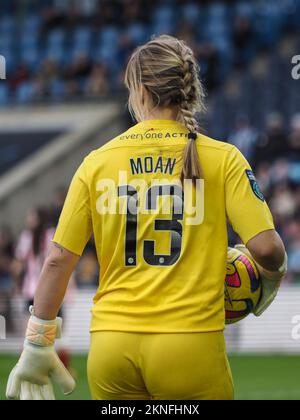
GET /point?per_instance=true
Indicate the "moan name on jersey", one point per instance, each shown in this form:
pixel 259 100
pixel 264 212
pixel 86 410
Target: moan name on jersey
pixel 150 164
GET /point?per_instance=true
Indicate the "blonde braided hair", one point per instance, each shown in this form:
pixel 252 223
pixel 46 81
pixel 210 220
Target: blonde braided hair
pixel 166 67
pixel 191 93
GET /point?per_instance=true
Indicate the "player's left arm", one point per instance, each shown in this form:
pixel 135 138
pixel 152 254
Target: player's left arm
pixel 268 252
pixel 252 220
pixel 267 249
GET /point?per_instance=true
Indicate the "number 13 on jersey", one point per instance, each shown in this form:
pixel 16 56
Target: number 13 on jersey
pixel 173 225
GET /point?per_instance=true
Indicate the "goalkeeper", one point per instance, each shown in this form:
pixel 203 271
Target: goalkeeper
pixel 157 329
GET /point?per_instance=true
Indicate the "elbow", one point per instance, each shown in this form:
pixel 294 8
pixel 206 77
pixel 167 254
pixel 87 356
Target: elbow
pixel 268 250
pixel 60 259
pixel 53 263
pixel 271 257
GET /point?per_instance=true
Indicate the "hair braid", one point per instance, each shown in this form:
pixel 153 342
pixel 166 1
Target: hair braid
pixel 191 165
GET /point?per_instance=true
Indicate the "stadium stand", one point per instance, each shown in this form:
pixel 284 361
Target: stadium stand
pixel 14 147
pixel 60 49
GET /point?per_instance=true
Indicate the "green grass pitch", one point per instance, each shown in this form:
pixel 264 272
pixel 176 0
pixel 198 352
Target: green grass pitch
pixel 255 377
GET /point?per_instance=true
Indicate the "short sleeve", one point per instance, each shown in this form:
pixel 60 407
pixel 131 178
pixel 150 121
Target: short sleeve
pixel 75 225
pixel 246 208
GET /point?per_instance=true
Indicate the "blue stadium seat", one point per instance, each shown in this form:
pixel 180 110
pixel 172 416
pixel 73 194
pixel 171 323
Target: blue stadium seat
pixel 217 11
pixel 268 23
pixel 4 93
pixel 82 38
pixel 57 90
pixel 161 28
pixel 55 52
pixel 107 55
pixel 294 174
pixel 191 12
pixel 31 24
pixel 56 38
pixel 6 40
pixel 164 13
pixel 137 33
pixel 109 36
pixel 21 40
pixel 164 20
pixel 31 56
pixel 294 260
pixel 7 24
pixel 220 36
pixel 244 8
pixel 29 39
pixel 24 93
pixel 290 14
pixel 76 50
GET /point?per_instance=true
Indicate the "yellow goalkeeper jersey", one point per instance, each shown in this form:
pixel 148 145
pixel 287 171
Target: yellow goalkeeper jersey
pixel 161 248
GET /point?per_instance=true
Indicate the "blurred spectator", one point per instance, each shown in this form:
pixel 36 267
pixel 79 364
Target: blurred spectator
pixel 263 174
pixel 106 14
pixel 46 77
pixel 244 137
pixel 31 251
pixel 52 18
pixel 77 74
pixel 88 7
pixel 6 282
pixel 87 271
pixel 282 202
pixel 187 32
pixel 20 75
pixel 97 83
pixel 297 202
pixel 242 40
pixel 294 141
pixel 292 232
pixel 208 58
pixel 56 206
pixel 280 171
pixel 80 67
pixel 134 11
pixel 273 144
pixel 126 47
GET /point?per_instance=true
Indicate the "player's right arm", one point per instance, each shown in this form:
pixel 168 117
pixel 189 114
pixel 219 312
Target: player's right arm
pixel 39 362
pixel 251 219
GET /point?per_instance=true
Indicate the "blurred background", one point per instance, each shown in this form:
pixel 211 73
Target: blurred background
pixel 64 96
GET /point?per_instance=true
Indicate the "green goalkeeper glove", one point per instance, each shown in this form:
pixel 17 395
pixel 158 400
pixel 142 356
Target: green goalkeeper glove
pixel 271 281
pixel 39 364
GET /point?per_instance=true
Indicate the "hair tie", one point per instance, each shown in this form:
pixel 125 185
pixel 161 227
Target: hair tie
pixel 192 136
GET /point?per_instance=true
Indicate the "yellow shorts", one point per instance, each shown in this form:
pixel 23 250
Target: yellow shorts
pixel 135 366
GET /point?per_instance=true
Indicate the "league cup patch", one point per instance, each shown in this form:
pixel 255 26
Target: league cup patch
pixel 254 185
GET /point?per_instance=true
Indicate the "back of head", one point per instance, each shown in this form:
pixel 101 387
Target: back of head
pixel 164 74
